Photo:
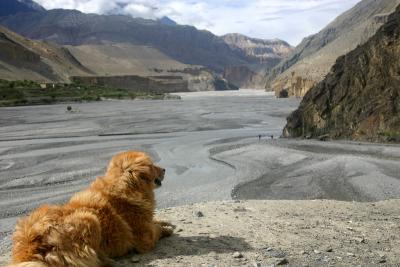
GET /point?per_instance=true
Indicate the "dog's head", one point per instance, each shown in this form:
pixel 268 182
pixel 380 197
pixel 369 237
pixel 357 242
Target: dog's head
pixel 137 168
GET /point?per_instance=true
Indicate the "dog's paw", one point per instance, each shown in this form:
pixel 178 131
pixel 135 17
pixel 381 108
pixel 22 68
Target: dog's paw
pixel 166 231
pixel 166 224
pixel 106 262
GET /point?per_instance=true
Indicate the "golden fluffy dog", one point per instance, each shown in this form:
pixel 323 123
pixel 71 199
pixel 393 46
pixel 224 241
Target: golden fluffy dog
pixel 109 219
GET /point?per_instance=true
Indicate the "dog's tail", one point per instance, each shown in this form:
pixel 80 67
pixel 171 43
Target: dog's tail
pixel 51 236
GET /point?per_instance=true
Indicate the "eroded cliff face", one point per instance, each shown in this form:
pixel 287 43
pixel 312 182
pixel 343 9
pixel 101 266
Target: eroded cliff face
pixel 204 80
pixel 258 49
pixel 360 97
pixel 185 81
pixel 293 85
pixel 315 55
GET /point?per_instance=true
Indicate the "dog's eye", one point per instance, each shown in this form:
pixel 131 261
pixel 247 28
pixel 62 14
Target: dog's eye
pixel 144 178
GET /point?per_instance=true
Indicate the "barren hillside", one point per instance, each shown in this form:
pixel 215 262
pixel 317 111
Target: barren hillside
pixel 21 58
pixel 125 59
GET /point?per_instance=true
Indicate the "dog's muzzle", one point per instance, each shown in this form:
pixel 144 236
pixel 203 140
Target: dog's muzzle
pixel 158 181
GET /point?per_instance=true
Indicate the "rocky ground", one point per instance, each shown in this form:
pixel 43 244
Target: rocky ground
pixel 267 233
pixel 272 233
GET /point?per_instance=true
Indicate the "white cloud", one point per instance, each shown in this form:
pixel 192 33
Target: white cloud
pixel 290 20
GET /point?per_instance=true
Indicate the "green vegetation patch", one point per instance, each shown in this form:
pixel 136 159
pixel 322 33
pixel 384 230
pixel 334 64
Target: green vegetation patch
pixel 15 93
pixel 389 135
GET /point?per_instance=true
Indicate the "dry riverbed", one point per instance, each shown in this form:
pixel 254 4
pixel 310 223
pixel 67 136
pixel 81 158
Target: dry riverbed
pixel 208 142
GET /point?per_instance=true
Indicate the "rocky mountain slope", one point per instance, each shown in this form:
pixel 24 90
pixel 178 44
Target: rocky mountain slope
pixel 21 58
pixel 315 55
pixel 360 97
pixel 263 55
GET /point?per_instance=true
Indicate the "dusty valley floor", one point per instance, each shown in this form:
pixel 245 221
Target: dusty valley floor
pixel 270 233
pixel 209 144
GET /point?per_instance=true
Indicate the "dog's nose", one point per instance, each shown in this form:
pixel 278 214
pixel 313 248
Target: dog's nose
pixel 163 170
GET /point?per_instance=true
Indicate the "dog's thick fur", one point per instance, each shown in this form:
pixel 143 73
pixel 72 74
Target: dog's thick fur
pixel 109 219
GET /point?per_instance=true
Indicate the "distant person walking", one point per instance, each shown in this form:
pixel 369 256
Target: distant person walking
pixel 272 137
pixel 259 137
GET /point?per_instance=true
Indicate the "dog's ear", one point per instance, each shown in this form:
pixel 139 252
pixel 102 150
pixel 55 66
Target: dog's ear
pixel 119 166
pixel 130 172
pixel 131 164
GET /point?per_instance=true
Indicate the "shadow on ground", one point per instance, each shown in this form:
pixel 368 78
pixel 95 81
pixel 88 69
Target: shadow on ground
pixel 191 245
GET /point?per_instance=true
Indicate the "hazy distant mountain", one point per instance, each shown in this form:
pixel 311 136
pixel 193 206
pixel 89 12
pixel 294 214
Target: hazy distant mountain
pixel 70 27
pixel 123 45
pixel 167 21
pixel 263 51
pixel 263 55
pixel 118 65
pixel 314 57
pixel 32 4
pixel 360 97
pixel 11 7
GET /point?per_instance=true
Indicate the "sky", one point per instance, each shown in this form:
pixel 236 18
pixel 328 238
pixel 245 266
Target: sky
pixel 289 20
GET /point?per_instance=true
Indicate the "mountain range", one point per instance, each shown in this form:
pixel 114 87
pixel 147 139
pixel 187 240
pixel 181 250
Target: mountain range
pixel 70 27
pixel 123 45
pixel 315 55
